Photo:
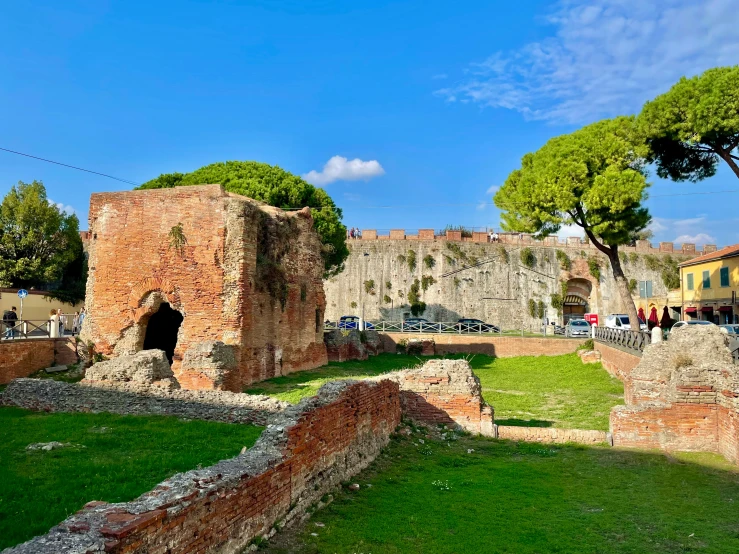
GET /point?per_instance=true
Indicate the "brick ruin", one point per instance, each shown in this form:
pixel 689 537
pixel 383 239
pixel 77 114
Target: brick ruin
pixel 229 287
pixel 683 395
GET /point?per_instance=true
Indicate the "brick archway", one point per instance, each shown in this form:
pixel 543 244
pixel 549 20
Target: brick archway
pixel 139 292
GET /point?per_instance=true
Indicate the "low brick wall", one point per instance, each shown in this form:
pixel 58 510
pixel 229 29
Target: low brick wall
pixel 306 452
pixel 550 435
pixel 501 347
pixel 617 362
pixel 22 357
pixel 45 395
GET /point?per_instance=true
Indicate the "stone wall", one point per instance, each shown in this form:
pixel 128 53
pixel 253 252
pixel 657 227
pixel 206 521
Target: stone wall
pixel 306 452
pixel 494 287
pixel 245 274
pixel 501 347
pixel 22 357
pixel 45 395
pixel 342 344
pixel 549 435
pixel 683 395
pixel 617 362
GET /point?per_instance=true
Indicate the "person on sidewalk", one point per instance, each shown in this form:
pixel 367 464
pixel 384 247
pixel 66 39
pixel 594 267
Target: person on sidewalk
pixel 10 318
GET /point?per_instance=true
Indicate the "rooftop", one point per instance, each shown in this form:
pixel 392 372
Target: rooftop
pixel 727 252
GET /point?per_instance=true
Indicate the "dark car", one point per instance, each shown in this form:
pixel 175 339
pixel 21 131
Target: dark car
pixel 417 324
pixel 352 322
pixel 476 326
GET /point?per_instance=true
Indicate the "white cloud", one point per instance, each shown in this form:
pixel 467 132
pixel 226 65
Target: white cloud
pixel 571 231
pixel 493 189
pixel 339 168
pixel 607 57
pixel 69 210
pixel 656 226
pixel 481 206
pixel 700 238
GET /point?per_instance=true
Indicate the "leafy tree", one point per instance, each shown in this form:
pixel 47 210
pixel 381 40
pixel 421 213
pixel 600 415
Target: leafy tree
pixel 694 125
pixel 276 187
pixel 38 241
pixel 593 178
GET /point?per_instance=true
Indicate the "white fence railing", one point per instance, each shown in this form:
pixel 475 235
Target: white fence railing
pixel 418 327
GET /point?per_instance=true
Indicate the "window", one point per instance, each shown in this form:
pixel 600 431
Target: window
pixel 724 276
pixel 706 279
pixel 690 282
pixel 645 289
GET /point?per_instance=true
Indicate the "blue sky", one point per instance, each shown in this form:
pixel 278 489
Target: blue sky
pixel 424 106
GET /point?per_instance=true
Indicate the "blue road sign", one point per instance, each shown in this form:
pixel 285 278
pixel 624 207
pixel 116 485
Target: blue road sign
pixel 22 293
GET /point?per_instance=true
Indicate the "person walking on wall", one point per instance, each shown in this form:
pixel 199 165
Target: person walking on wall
pixel 53 324
pixel 9 318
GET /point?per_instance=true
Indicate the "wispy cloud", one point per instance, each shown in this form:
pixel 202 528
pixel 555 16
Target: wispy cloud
pixel 700 238
pixel 339 168
pixel 493 189
pixel 69 210
pixel 607 57
pixel 440 76
pixel 481 206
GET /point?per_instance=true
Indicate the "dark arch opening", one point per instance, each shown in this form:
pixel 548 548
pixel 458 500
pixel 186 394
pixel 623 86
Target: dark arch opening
pixel 162 329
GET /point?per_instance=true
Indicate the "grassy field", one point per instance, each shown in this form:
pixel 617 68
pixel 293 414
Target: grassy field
pixel 557 391
pixel 113 458
pixel 524 498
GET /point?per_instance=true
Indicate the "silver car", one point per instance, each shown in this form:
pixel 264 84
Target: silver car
pixel 577 328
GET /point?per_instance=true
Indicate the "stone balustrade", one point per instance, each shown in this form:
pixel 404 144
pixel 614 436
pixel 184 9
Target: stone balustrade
pixel 515 239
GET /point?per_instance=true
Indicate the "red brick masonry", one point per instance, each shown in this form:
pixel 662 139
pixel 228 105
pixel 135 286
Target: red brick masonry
pixel 306 452
pixel 501 347
pixel 22 357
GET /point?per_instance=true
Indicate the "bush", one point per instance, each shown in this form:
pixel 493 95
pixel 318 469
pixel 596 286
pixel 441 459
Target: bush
pixel 353 305
pixel 414 348
pixel 632 285
pixel 587 345
pixel 411 259
pixel 388 285
pixel 527 257
pixel 557 302
pixel 369 286
pixel 564 260
pixel 503 254
pixel 633 258
pixel 414 293
pixel 426 282
pixel 532 307
pixel 541 309
pixel 387 299
pixel 456 282
pixel 594 267
pixel 429 261
pixel 652 262
pixel 417 308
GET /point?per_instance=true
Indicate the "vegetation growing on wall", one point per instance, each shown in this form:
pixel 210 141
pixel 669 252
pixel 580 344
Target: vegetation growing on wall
pixel 527 257
pixel 594 267
pixel 466 231
pixel 414 298
pixel 449 260
pixel 541 309
pixel 274 237
pixel 369 286
pixel 426 282
pixel 633 258
pixel 557 302
pixel 411 260
pixel 564 260
pixel 670 273
pixel 387 299
pixel 456 282
pixel 401 259
pixel 652 262
pixel 632 285
pixel 429 262
pixel 388 285
pixel 503 254
pixel 177 239
pixel 353 305
pixel 623 257
pixel 532 307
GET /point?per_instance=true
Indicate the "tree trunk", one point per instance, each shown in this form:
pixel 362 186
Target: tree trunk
pixel 623 288
pixel 726 156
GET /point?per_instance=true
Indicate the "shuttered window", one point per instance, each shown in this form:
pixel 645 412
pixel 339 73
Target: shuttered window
pixel 691 285
pixel 724 276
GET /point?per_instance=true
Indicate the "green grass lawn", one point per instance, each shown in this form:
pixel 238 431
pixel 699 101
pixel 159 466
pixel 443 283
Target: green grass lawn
pixel 525 498
pixel 558 391
pixel 114 458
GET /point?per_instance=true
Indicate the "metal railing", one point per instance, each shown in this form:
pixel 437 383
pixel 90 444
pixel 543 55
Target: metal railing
pixel 34 329
pixel 441 328
pixel 635 341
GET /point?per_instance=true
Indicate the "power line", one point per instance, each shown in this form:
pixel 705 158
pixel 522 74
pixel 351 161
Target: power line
pixel 71 166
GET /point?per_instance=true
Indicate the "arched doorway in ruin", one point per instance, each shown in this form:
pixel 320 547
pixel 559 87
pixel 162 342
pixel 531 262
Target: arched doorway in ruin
pixel 162 329
pixel 577 299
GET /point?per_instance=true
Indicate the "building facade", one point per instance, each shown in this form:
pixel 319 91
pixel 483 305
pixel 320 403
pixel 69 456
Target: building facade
pixel 709 285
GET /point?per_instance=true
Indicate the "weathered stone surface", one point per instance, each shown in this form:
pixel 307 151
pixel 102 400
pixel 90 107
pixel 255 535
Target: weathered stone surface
pixel 589 356
pixel 144 368
pixel 305 453
pixel 248 275
pixel 132 398
pixel 683 395
pixel 351 344
pixel 213 359
pixel 550 435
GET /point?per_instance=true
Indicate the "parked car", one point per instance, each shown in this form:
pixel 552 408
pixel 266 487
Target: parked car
pixel 691 322
pixel 577 328
pixel 352 322
pixel 621 321
pixel 731 329
pixel 476 326
pixel 416 324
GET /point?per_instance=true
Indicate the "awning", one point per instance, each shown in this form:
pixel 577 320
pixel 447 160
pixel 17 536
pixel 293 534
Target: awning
pixel 705 309
pixel 574 300
pixel 725 309
pixel 691 310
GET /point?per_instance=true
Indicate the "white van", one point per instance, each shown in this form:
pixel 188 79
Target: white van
pixel 621 321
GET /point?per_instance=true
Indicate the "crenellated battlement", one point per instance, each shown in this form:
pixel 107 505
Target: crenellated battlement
pixel 517 239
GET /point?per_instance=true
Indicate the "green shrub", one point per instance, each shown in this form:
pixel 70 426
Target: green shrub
pixel 414 293
pixel 623 257
pixel 652 262
pixel 429 262
pixel 594 267
pixel 564 260
pixel 557 302
pixel 387 299
pixel 450 260
pixel 633 258
pixel 369 286
pixel 417 308
pixel 541 309
pixel 411 259
pixel 527 257
pixel 587 345
pixel 388 285
pixel 426 282
pixel 456 282
pixel 632 285
pixel 401 259
pixel 353 305
pixel 503 254
pixel 532 307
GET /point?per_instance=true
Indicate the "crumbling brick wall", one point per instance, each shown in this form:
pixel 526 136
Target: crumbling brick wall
pixel 683 395
pixel 246 274
pixel 22 357
pixel 306 452
pixel 500 347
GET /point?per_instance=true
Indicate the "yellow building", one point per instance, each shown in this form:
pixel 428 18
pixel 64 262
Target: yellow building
pixel 36 306
pixel 709 285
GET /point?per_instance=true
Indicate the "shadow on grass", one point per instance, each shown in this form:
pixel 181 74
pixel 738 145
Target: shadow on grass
pixel 525 422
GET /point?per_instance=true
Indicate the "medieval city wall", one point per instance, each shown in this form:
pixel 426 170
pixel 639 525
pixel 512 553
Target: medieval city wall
pixel 495 286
